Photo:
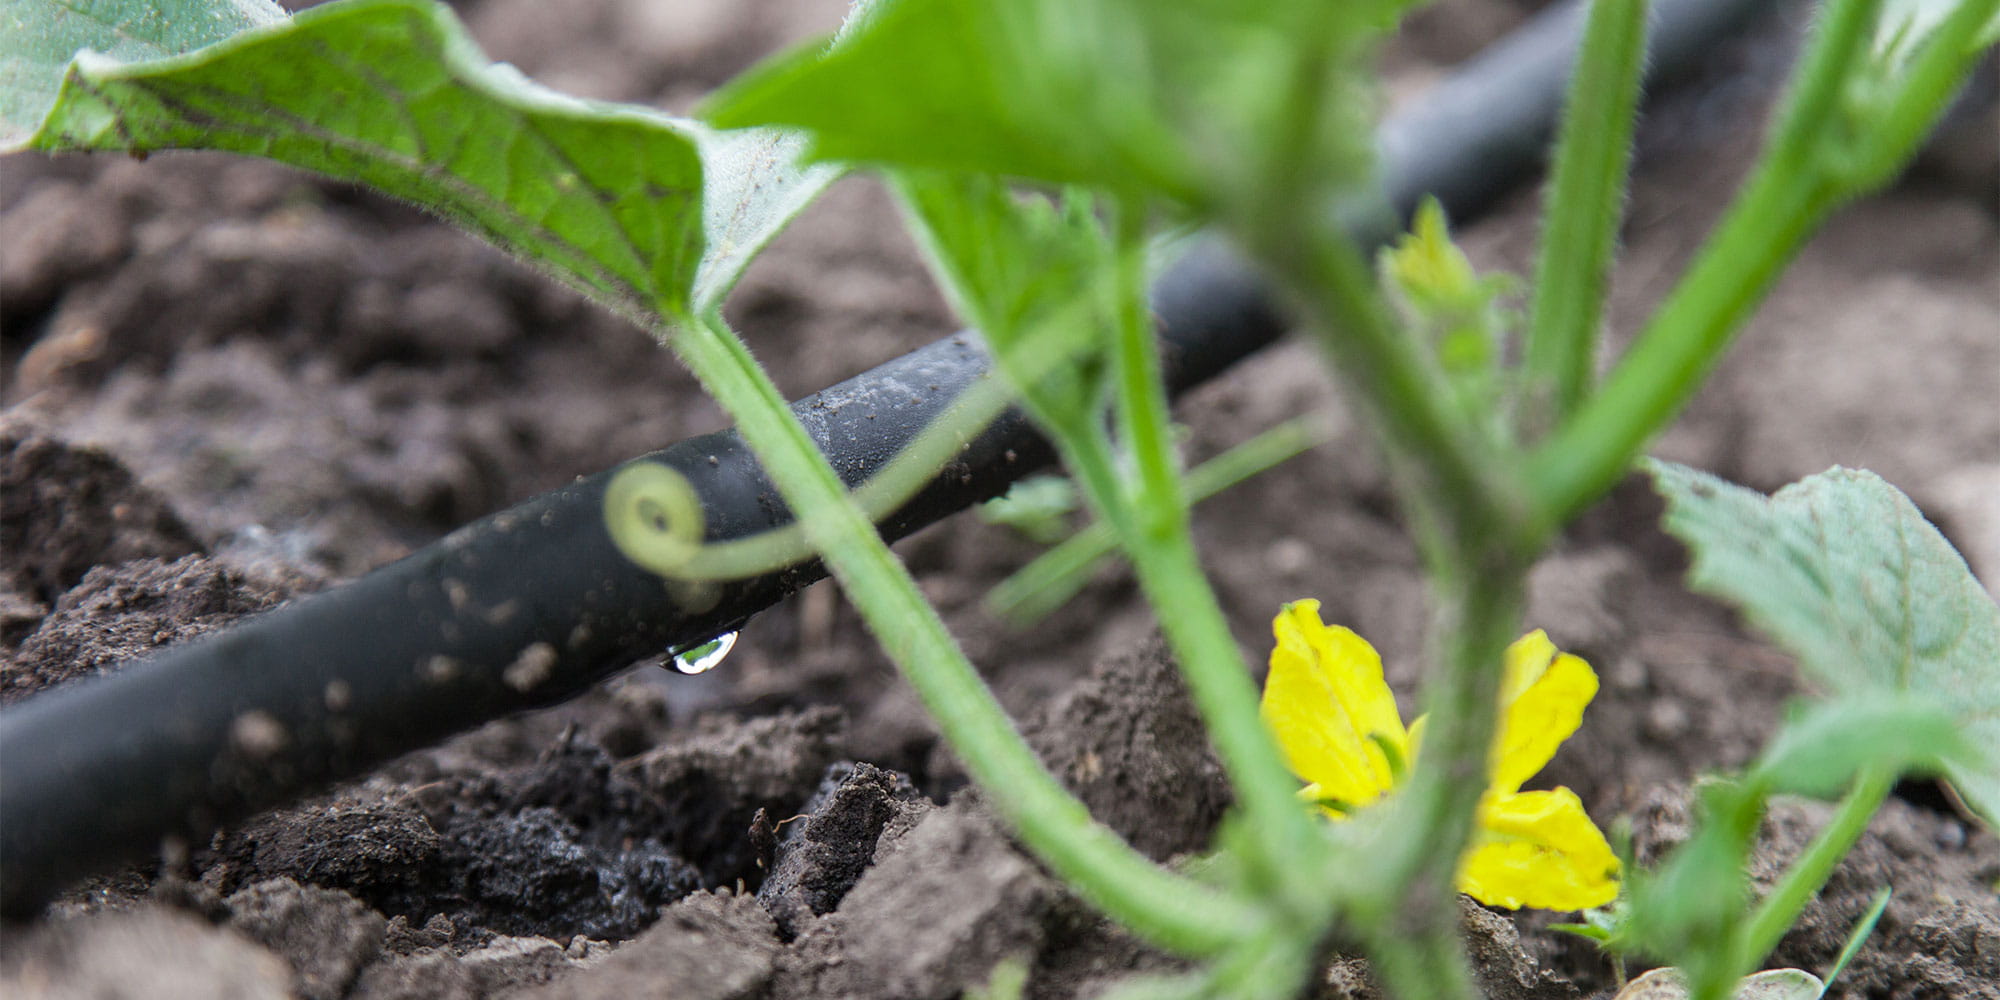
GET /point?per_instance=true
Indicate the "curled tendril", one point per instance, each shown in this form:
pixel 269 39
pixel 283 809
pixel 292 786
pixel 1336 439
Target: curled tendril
pixel 655 517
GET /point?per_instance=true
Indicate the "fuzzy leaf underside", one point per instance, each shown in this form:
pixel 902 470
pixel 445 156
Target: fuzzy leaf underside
pixel 1842 569
pixel 756 181
pixel 42 36
pixel 393 94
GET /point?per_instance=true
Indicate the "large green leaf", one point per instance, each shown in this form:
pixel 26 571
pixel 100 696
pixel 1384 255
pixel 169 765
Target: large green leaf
pixel 970 85
pixel 41 36
pixel 1178 99
pixel 393 94
pixel 1843 570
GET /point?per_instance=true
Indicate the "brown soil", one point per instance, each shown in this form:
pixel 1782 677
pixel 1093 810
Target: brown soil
pixel 228 384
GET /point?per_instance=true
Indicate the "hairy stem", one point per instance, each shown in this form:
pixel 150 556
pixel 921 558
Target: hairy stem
pixel 1156 537
pixel 1171 910
pixel 1416 943
pixel 1825 151
pixel 1585 204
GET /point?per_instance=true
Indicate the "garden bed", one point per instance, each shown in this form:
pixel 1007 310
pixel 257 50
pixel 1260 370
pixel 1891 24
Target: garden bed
pixel 229 384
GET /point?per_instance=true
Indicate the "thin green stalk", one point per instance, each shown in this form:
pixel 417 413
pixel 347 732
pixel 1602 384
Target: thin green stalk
pixel 1839 45
pixel 1858 937
pixel 1769 221
pixel 1781 907
pixel 1143 420
pixel 1173 911
pixel 1584 206
pixel 1819 157
pixel 1421 843
pixel 1156 537
pixel 674 546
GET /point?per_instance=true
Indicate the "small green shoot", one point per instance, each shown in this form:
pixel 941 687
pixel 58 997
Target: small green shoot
pixel 1859 935
pixel 1038 508
pixel 1037 589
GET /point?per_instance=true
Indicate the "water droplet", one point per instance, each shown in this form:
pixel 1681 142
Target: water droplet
pixel 702 658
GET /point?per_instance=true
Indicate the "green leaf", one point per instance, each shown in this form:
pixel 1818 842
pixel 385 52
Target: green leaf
pixel 1042 89
pixel 755 182
pixel 1177 99
pixel 1843 570
pixel 1031 274
pixel 1038 507
pixel 1819 752
pixel 43 35
pixel 394 94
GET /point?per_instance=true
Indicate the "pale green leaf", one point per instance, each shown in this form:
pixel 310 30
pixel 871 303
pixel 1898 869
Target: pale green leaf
pixel 394 95
pixel 1843 570
pixel 755 183
pixel 38 38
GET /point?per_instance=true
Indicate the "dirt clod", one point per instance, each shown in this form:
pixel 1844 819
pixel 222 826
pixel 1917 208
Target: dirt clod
pixel 65 508
pixel 714 781
pixel 326 935
pixel 946 903
pixel 374 849
pixel 1128 742
pixel 142 954
pixel 122 611
pixel 823 854
pixel 705 947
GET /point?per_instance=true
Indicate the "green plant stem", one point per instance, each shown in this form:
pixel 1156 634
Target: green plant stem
pixel 1927 90
pixel 1858 937
pixel 1420 843
pixel 1839 44
pixel 679 550
pixel 1585 203
pixel 1819 157
pixel 1156 537
pixel 1781 907
pixel 1173 911
pixel 1769 221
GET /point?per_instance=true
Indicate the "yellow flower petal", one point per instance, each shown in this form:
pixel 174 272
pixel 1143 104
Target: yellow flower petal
pixel 1539 849
pixel 1545 694
pixel 1324 698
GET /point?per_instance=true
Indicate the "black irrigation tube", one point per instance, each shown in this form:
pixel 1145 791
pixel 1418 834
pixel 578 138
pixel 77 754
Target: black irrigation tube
pixel 534 604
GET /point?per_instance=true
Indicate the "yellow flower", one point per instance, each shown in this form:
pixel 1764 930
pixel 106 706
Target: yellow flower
pixel 1336 719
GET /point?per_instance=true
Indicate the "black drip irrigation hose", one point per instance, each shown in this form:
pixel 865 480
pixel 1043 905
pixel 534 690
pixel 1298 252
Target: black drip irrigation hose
pixel 533 605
